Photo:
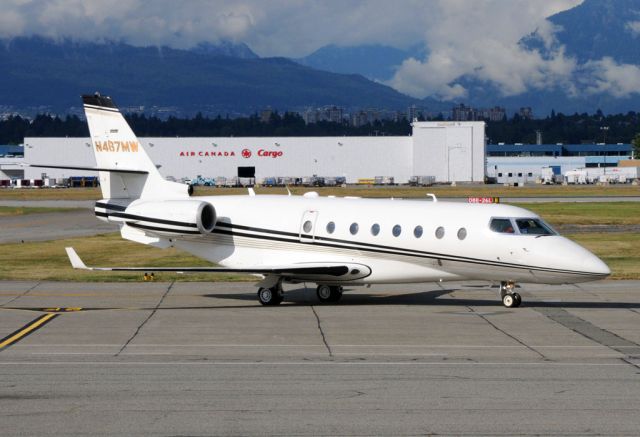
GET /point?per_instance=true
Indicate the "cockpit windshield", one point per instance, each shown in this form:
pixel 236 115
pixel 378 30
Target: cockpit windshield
pixel 522 226
pixel 502 225
pixel 532 226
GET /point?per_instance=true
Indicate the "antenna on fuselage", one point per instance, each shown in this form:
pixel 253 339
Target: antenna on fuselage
pixel 433 196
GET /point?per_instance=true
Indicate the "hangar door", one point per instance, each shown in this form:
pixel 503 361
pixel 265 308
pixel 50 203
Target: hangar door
pixel 246 172
pixel 459 153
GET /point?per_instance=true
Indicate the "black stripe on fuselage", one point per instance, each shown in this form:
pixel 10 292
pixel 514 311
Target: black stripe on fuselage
pixel 376 248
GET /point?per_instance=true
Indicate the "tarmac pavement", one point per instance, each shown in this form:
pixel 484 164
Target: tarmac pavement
pixel 206 359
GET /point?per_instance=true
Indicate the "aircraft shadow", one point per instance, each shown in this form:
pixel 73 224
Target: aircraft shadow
pixel 307 297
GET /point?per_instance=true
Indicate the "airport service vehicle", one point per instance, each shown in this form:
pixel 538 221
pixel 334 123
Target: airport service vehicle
pixel 332 242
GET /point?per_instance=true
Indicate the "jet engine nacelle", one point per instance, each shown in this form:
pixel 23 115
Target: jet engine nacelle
pixel 173 217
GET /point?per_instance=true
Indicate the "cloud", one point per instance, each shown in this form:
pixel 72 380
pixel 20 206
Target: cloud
pixel 481 42
pixel 607 76
pixel 465 39
pixel 633 27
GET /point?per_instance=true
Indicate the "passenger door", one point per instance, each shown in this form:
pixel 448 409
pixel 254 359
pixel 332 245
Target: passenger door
pixel 307 231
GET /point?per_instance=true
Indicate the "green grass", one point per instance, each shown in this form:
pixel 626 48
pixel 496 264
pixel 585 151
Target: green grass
pixel 587 213
pixel 363 191
pixel 12 211
pixel 47 261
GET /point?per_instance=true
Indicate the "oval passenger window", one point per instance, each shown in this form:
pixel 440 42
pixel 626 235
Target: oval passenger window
pixel 307 226
pixel 417 231
pixel 396 230
pixel 353 228
pixel 440 233
pixel 462 234
pixel 375 229
pixel 331 226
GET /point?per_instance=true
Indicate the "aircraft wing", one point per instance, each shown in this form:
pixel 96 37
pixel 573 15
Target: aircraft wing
pixel 301 271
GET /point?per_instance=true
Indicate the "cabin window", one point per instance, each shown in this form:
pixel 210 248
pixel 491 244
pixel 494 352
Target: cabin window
pixel 440 233
pixel 396 230
pixel 331 226
pixel 353 228
pixel 510 174
pixel 530 174
pixel 533 226
pixel 307 226
pixel 519 175
pixel 502 225
pixel 417 231
pixel 462 234
pixel 499 175
pixel 375 229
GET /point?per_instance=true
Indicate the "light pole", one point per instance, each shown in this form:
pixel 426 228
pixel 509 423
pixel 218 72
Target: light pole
pixel 604 130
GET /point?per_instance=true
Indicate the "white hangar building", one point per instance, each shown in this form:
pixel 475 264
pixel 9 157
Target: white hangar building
pixel 449 151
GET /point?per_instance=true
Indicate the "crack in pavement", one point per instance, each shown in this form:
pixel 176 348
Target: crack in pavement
pixel 324 338
pixel 22 295
pixel 147 319
pixel 508 335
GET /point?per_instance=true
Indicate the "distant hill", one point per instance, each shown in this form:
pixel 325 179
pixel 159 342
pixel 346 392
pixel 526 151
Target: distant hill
pixel 595 29
pixel 37 71
pixel 225 48
pixel 589 32
pixel 374 61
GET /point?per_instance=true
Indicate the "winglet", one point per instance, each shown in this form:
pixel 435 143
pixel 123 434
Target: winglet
pixel 76 262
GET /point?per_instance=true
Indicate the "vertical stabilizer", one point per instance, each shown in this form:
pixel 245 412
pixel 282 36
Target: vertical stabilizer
pixel 116 147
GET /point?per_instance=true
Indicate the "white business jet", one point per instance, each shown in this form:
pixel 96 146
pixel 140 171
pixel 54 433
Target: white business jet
pixel 329 241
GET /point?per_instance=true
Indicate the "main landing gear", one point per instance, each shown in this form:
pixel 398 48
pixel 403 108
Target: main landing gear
pixel 510 298
pixel 270 296
pixel 328 293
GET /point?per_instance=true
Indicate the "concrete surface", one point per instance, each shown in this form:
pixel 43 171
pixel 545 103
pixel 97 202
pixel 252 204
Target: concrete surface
pixel 52 226
pixel 206 359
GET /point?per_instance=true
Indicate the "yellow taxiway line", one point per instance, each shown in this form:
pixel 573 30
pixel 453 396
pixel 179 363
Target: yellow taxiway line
pixel 27 329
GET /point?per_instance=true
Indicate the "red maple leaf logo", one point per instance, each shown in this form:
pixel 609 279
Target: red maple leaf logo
pixel 246 153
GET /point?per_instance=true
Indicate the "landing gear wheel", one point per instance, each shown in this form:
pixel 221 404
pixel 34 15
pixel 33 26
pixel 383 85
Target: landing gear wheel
pixel 509 301
pixel 518 299
pixel 269 296
pixel 328 293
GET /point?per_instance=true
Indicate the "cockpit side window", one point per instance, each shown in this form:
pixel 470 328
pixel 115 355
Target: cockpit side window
pixel 502 225
pixel 531 226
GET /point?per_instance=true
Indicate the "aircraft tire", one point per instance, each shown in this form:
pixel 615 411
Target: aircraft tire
pixel 328 294
pixel 509 301
pixel 336 293
pixel 269 296
pixel 518 299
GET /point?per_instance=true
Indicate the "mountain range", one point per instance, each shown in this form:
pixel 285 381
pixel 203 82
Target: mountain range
pixel 374 61
pixel 37 71
pixel 601 36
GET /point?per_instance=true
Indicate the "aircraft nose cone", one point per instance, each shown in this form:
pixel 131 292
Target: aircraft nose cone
pixel 595 265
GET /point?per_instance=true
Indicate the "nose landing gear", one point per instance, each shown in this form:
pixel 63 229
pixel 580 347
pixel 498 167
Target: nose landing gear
pixel 510 298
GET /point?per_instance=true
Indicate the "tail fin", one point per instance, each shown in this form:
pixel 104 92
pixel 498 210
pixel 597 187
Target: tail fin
pixel 128 172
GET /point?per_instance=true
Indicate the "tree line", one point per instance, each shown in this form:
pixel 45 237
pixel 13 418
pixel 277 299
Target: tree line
pixel 556 128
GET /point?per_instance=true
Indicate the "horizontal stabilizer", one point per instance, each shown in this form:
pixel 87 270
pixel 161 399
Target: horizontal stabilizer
pixel 338 271
pixel 68 167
